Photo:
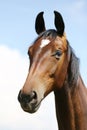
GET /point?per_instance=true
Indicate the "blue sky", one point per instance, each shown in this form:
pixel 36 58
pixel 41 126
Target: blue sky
pixel 17 32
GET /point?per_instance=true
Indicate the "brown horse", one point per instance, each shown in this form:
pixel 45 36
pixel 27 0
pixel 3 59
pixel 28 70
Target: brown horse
pixel 55 67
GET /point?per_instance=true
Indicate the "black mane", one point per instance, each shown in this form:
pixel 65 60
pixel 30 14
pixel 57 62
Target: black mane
pixel 48 33
pixel 73 68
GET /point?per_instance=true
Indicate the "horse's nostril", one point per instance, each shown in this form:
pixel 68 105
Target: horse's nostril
pixel 34 95
pixel 26 98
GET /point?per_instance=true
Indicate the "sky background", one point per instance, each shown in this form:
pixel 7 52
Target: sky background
pixel 17 32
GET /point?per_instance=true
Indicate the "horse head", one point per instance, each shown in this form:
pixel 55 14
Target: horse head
pixel 49 60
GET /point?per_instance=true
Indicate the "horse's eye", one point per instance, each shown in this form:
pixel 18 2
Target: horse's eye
pixel 57 54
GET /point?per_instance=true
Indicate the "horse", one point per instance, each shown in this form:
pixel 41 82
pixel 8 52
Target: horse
pixel 54 67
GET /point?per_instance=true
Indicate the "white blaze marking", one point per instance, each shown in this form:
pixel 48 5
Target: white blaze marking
pixel 44 42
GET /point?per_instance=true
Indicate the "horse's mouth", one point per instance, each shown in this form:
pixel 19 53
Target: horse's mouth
pixel 30 107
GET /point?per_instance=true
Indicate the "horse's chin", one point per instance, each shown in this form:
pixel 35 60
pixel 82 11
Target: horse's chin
pixel 30 108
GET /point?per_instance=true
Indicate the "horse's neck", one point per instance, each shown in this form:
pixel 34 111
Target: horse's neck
pixel 71 107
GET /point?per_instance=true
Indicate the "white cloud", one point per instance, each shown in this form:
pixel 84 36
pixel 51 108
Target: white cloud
pixel 13 71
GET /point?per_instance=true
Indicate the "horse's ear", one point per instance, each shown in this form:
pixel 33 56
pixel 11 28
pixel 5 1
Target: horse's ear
pixel 59 23
pixel 39 23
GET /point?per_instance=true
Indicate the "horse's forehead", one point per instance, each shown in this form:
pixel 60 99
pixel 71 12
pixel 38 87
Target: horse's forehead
pixel 56 41
pixel 44 42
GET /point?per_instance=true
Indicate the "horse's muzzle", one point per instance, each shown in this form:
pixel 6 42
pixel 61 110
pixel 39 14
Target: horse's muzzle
pixel 28 102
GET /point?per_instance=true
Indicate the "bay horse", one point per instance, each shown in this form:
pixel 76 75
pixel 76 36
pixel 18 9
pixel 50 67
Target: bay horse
pixel 55 67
